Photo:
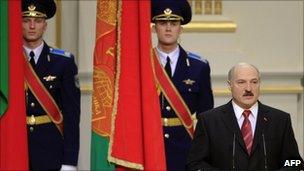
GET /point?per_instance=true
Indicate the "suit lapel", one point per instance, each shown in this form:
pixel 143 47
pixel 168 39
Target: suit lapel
pixel 232 124
pixel 42 64
pixel 181 68
pixel 261 125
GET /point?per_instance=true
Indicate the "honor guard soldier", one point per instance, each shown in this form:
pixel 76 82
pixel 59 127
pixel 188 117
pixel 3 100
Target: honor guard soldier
pixel 52 94
pixel 183 80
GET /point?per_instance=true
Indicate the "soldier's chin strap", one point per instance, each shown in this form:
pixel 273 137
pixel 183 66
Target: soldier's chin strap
pixel 172 95
pixel 42 95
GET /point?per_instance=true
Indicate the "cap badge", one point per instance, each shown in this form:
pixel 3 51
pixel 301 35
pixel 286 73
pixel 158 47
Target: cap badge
pixel 167 11
pixel 32 11
pixel 31 7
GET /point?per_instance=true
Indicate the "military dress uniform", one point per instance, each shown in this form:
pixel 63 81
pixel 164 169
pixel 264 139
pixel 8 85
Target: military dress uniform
pixel 193 84
pixel 191 78
pixel 49 148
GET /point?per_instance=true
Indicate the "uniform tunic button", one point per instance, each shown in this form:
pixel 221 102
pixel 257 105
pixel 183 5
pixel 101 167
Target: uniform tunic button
pixel 167 135
pixel 190 89
pixel 32 104
pixel 168 108
pixel 31 129
pixel 51 86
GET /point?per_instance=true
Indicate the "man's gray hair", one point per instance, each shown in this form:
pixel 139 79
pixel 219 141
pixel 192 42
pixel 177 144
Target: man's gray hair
pixel 232 70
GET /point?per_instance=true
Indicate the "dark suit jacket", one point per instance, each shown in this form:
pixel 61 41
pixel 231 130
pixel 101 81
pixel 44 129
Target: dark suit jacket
pixel 47 148
pixel 217 130
pixel 198 97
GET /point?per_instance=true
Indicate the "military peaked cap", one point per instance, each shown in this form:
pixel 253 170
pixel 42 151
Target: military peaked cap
pixel 171 10
pixel 38 8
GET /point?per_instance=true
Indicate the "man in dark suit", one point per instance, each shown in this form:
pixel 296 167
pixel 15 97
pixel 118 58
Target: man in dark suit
pixel 244 134
pixel 186 89
pixel 52 94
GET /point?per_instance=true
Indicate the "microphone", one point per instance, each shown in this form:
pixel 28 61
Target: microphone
pixel 264 146
pixel 233 152
pixel 265 152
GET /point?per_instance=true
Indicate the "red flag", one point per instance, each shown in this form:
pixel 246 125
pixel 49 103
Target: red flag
pixel 136 137
pixel 13 139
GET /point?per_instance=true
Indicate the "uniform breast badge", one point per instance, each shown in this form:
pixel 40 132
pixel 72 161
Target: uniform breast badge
pixel 189 81
pixel 49 78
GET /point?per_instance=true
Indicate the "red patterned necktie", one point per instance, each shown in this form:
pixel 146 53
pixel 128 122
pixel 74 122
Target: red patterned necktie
pixel 247 131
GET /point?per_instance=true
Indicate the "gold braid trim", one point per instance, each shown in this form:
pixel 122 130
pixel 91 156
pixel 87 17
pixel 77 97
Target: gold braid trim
pixel 126 163
pixel 171 17
pixel 36 14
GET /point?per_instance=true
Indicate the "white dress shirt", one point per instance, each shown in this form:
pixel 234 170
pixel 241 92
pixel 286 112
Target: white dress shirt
pixel 238 111
pixel 173 58
pixel 37 51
